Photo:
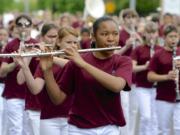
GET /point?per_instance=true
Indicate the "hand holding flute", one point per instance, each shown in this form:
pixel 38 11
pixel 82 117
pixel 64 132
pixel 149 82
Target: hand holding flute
pixel 46 62
pixel 72 54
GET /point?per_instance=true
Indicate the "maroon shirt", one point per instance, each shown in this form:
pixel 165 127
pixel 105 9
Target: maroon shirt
pixel 85 44
pixel 141 54
pixel 1 79
pixel 161 30
pixel 161 63
pixel 48 109
pixel 123 36
pixel 12 88
pixel 31 101
pixel 93 105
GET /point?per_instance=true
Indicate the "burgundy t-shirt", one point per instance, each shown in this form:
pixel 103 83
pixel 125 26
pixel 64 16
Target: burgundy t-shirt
pixel 93 105
pixel 31 101
pixel 161 30
pixel 48 109
pixel 141 54
pixel 12 88
pixel 1 79
pixel 85 44
pixel 161 63
pixel 123 36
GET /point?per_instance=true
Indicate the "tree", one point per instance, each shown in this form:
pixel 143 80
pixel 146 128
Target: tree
pixel 62 5
pixel 144 7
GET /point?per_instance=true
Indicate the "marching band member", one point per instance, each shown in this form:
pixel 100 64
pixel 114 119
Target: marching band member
pixel 3 41
pixel 128 37
pixel 145 93
pixel 94 80
pixel 160 71
pixel 32 103
pixel 53 118
pixel 128 40
pixel 85 41
pixel 14 94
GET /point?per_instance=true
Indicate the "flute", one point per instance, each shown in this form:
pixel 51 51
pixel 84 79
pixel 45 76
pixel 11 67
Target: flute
pixel 152 51
pixel 22 42
pixel 133 31
pixel 37 45
pixel 54 53
pixel 177 77
pixel 152 48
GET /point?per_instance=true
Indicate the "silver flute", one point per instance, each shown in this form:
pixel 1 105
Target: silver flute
pixel 177 77
pixel 37 45
pixel 152 48
pixel 55 53
pixel 22 42
pixel 133 31
pixel 152 51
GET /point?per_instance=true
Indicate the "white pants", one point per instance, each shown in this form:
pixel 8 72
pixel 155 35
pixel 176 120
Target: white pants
pixel 15 114
pixel 148 117
pixel 125 106
pixel 133 111
pixel 55 126
pixel 105 130
pixel 32 122
pixel 167 111
pixel 5 118
pixel 1 107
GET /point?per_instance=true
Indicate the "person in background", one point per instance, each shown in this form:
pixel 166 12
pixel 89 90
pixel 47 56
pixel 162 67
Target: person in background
pixel 145 92
pixel 14 94
pixel 128 37
pixel 3 38
pixel 128 40
pixel 162 70
pixel 64 20
pixel 85 36
pixel 3 41
pixel 165 20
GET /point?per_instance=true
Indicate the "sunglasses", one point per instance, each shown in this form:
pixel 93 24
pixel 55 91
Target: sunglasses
pixel 23 23
pixel 23 26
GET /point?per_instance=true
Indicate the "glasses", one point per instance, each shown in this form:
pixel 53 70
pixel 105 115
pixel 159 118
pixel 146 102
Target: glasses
pixel 19 25
pixel 23 22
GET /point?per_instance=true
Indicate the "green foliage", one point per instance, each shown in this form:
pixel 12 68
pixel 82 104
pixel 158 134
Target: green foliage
pixel 12 5
pixel 121 4
pixel 144 7
pixel 62 5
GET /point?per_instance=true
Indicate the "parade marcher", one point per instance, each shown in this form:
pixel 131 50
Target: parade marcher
pixel 128 40
pixel 64 20
pixel 145 92
pixel 14 94
pixel 161 70
pixel 166 19
pixel 32 103
pixel 85 41
pixel 3 41
pixel 128 37
pixel 95 80
pixel 53 118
